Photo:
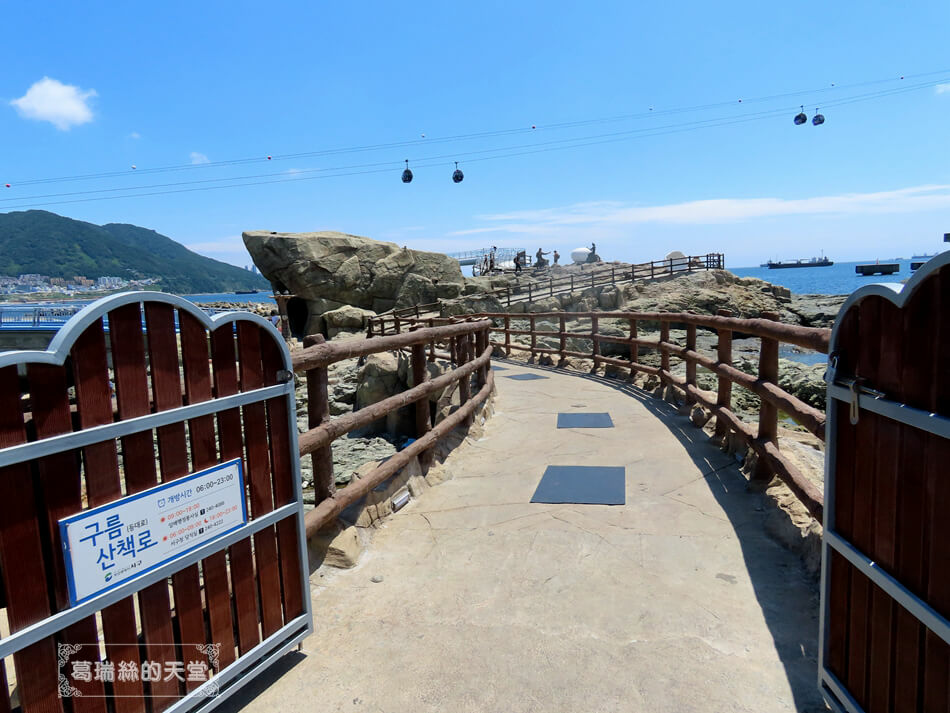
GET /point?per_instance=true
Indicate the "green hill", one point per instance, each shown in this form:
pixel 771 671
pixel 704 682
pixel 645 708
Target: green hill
pixel 36 241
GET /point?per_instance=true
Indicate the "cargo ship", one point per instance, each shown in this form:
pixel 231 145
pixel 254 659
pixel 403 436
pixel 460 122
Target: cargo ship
pixel 801 262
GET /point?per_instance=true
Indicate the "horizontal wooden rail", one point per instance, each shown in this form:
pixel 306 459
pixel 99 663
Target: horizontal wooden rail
pixel 466 339
pixel 322 355
pixel 329 431
pixel 332 506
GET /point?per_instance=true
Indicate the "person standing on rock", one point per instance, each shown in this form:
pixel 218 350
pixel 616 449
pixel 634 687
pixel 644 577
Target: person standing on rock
pixel 557 255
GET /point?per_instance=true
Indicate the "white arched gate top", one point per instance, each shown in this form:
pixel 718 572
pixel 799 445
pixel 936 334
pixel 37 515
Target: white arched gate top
pixel 885 634
pixel 160 446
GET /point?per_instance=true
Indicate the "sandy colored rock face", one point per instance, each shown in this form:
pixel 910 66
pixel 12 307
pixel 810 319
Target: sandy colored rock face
pixel 347 268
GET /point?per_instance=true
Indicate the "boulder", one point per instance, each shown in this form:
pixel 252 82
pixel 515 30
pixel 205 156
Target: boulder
pixel 346 319
pixel 471 303
pixel 378 379
pixel 346 268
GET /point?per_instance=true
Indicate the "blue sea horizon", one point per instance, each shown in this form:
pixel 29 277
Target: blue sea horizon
pixel 838 279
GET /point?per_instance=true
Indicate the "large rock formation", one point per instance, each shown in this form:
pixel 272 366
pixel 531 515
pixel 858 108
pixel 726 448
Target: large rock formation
pixel 331 269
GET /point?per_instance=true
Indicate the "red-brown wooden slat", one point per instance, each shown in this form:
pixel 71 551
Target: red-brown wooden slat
pixel 916 388
pixel 241 562
pixel 283 475
pixel 887 467
pixel 61 484
pixel 195 354
pixel 936 696
pixel 173 461
pixel 867 362
pixel 21 557
pixel 94 406
pixel 258 466
pixel 132 399
pixel 840 569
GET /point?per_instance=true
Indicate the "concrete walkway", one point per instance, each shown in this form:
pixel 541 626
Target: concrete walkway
pixel 676 601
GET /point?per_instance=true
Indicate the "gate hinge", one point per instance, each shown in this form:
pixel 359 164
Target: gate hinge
pixel 284 375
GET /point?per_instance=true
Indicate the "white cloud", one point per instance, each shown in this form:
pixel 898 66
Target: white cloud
pixel 197 158
pixel 63 105
pixel 135 135
pixel 942 89
pixel 714 211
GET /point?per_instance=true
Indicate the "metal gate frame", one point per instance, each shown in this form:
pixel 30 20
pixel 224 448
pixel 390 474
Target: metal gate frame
pixel 845 392
pixel 253 661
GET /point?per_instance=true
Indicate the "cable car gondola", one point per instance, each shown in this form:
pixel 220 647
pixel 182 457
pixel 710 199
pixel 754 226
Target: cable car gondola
pixel 818 119
pixel 801 118
pixel 407 174
pixel 458 175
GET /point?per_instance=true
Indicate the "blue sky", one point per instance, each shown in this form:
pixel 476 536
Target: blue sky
pixel 91 88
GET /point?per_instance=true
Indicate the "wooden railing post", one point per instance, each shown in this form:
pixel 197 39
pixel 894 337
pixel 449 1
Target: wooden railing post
pixel 634 349
pixel 369 328
pixel 592 273
pixel 664 354
pixel 595 339
pixel 465 385
pixel 419 374
pixel 453 350
pixel 508 292
pixel 690 364
pixel 482 339
pixel 651 270
pixel 613 276
pixel 724 357
pixel 572 283
pixel 534 338
pixel 507 335
pixel 396 323
pixel 431 323
pixel 768 414
pixel 530 296
pixel 562 346
pixel 318 411
pixel 551 285
pixel 281 310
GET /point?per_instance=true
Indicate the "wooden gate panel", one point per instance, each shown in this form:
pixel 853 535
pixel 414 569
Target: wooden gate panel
pixel 240 559
pixel 891 501
pixel 258 467
pixel 50 449
pixel 173 463
pixel 132 400
pixel 21 557
pixel 937 539
pixel 204 450
pixel 60 486
pixel 101 471
pixel 278 428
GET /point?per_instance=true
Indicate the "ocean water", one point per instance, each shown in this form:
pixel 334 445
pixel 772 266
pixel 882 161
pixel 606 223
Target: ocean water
pixel 232 297
pixel 838 279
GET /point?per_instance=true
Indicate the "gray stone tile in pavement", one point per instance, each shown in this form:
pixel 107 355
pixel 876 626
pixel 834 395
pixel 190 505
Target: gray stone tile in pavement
pixel 676 601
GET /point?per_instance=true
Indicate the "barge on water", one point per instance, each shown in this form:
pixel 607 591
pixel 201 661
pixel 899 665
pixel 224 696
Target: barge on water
pixel 877 268
pixel 801 262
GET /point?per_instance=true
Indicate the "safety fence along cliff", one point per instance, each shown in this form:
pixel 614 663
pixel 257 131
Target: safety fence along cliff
pixel 537 287
pixel 762 438
pixel 470 350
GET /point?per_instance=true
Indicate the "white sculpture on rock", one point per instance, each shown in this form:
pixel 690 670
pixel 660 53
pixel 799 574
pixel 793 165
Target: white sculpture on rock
pixel 579 255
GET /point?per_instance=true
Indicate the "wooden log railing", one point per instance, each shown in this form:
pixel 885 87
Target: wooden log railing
pixel 472 342
pixel 608 275
pixel 761 438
